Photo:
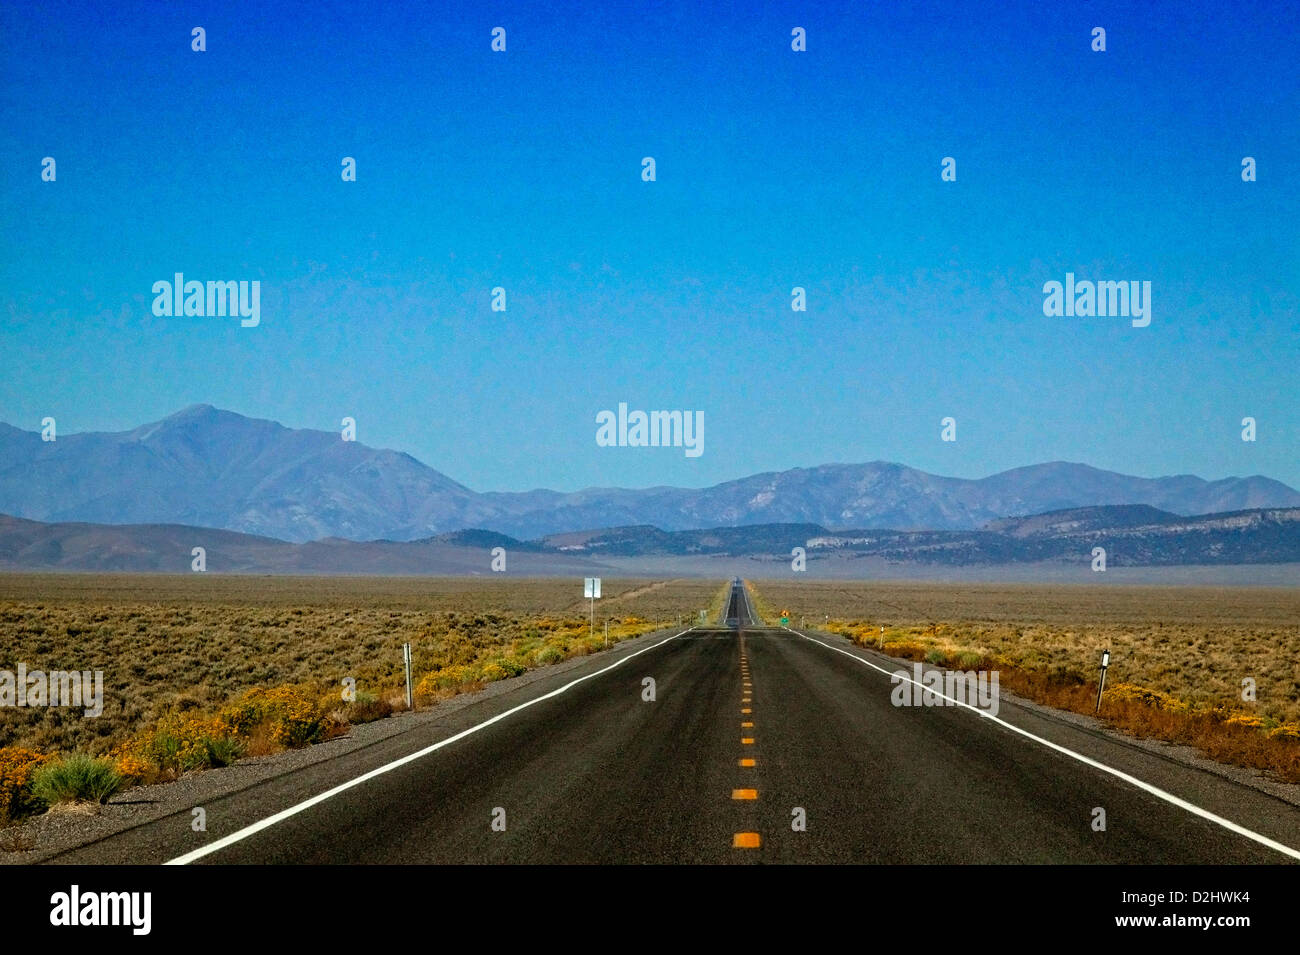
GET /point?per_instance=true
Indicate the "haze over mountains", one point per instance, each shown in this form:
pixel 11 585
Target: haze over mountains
pixel 211 468
pixel 1133 536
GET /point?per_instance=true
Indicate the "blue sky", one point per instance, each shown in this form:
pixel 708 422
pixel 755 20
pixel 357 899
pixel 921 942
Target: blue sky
pixel 774 169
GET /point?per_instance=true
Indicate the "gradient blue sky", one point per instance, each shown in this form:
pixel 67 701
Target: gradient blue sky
pixel 775 169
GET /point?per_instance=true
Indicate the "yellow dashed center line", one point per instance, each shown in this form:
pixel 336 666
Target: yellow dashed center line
pixel 746 840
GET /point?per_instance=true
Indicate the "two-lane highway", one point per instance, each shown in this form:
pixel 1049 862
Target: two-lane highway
pixel 742 744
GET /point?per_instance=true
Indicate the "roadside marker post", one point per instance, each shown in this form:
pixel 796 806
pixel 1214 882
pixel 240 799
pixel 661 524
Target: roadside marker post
pixel 1105 662
pixel 591 590
pixel 882 638
pixel 606 634
pixel 406 659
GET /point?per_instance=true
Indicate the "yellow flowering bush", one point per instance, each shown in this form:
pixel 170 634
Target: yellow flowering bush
pixel 178 743
pixel 293 715
pixel 1128 692
pixel 17 765
pixel 133 768
pixel 493 671
pixel 448 678
pixel 1247 719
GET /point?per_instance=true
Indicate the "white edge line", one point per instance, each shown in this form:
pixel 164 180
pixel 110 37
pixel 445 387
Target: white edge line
pixel 1120 774
pixel 284 814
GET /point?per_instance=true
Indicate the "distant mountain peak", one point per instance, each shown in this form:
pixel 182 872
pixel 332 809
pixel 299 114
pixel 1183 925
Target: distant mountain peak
pixel 193 419
pixel 201 409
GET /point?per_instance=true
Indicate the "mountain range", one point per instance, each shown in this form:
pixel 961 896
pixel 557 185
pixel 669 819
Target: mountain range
pixel 211 468
pixel 1133 536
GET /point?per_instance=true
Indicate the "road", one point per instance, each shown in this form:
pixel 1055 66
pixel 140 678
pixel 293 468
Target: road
pixel 749 730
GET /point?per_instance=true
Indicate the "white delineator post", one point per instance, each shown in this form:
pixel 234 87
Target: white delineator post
pixel 406 659
pixel 1101 685
pixel 591 590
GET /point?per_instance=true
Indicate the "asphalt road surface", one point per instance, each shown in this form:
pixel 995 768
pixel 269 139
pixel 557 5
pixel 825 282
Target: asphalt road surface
pixel 752 744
